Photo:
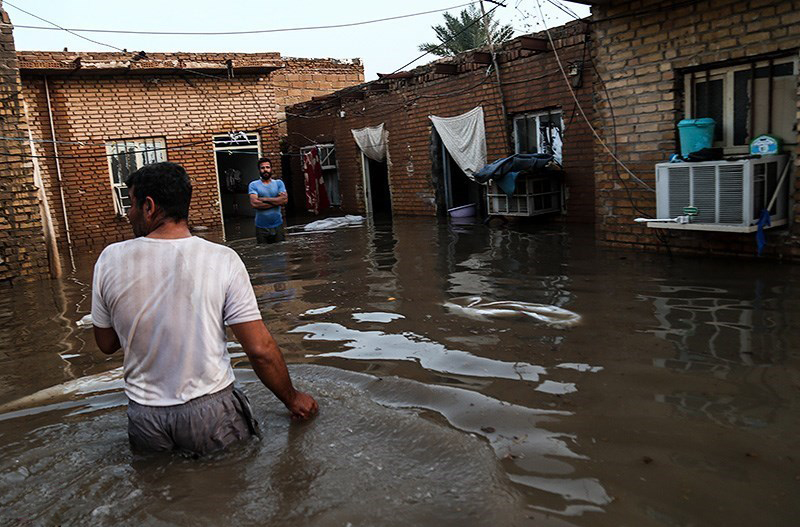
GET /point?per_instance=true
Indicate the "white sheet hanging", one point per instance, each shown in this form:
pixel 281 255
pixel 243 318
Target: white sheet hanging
pixel 372 141
pixel 464 137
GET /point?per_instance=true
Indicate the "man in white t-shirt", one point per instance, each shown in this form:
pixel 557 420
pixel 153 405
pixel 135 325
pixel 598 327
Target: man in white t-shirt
pixel 165 298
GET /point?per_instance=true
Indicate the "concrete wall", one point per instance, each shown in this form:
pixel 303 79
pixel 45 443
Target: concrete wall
pixel 184 108
pixel 643 48
pixel 531 82
pixel 23 253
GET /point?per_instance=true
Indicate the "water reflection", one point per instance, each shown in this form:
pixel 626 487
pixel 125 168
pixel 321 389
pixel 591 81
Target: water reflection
pixel 714 325
pixel 677 390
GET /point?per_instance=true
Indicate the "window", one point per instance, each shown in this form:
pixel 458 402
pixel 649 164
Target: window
pixel 125 157
pixel 539 132
pixel 327 161
pixel 742 104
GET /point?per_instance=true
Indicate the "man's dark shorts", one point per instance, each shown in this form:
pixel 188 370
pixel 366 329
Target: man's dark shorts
pixel 203 425
pixel 272 235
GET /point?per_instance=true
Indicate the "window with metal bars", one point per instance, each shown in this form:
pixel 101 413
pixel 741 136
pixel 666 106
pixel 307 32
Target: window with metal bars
pixel 126 156
pixel 745 100
pixel 538 132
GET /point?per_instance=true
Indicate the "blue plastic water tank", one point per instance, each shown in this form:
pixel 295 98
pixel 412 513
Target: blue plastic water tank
pixel 696 134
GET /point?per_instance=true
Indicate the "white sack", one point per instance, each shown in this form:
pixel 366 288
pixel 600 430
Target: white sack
pixel 333 223
pixel 372 141
pixel 464 137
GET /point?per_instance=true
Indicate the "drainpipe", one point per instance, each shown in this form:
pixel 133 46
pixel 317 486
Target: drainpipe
pixel 499 83
pixel 58 172
pixel 44 205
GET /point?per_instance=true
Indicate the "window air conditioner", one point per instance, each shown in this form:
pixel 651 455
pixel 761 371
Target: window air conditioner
pixel 727 195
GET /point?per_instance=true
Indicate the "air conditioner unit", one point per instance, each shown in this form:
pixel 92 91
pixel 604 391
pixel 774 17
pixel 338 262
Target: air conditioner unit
pixel 727 195
pixel 532 196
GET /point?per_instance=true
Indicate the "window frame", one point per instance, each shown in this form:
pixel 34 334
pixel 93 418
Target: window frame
pixel 538 114
pixel 727 75
pixel 158 144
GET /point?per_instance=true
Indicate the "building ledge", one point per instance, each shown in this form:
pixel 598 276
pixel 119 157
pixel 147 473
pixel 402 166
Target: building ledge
pixel 65 62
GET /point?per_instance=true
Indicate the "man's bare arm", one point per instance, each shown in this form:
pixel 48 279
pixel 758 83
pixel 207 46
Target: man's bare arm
pixel 267 361
pixel 259 203
pixel 280 199
pixel 107 340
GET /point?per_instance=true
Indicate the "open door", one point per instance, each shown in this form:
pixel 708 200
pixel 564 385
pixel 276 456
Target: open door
pixel 236 157
pixel 377 193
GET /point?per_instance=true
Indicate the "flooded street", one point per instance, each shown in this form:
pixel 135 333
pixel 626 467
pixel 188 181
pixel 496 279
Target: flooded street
pixel 465 376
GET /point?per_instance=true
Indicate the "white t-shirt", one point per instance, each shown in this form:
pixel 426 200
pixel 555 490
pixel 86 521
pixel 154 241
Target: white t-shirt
pixel 169 302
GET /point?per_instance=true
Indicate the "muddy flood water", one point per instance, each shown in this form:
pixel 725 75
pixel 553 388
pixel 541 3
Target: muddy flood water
pixel 465 376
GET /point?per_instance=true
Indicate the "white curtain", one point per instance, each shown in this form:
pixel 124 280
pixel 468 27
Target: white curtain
pixel 464 137
pixel 372 141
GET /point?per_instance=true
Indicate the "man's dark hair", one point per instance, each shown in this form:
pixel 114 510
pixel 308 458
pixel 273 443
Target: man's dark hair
pixel 264 160
pixel 169 186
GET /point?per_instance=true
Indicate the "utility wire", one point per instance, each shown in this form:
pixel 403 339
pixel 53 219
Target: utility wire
pixel 580 108
pixel 258 129
pixel 478 19
pixel 63 28
pixel 218 33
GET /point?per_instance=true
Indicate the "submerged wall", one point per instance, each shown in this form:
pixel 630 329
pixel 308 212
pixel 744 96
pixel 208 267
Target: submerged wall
pixel 185 108
pixel 531 82
pixel 643 51
pixel 23 253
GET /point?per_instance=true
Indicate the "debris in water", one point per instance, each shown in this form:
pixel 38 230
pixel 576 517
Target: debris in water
pixel 477 307
pixel 85 322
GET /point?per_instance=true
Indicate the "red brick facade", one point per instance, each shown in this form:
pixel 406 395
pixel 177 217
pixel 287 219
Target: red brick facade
pixel 23 253
pixel 183 98
pixel 531 82
pixel 643 49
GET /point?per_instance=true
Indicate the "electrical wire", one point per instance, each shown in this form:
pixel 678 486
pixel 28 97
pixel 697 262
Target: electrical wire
pixel 580 108
pixel 273 124
pixel 465 28
pixel 72 32
pixel 221 33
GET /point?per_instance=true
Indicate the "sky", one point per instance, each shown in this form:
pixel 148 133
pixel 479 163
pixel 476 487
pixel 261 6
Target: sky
pixel 383 46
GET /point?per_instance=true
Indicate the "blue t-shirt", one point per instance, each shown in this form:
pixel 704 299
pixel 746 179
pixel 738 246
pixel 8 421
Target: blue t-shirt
pixel 267 218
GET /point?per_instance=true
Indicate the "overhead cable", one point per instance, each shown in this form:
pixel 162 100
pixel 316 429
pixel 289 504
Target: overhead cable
pixel 63 28
pixel 220 33
pixel 580 108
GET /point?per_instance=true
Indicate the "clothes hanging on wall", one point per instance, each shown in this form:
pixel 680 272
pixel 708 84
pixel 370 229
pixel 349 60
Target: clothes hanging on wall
pixel 372 141
pixel 316 195
pixel 464 137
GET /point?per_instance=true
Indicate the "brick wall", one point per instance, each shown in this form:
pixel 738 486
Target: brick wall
pixel 531 82
pixel 641 55
pixel 23 253
pixel 184 108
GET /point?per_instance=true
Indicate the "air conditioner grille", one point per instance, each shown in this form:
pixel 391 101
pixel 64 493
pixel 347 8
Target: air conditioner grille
pixel 731 179
pixel 704 190
pixel 678 190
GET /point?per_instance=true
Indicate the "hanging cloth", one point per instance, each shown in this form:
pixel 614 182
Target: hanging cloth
pixel 372 141
pixel 464 137
pixel 316 195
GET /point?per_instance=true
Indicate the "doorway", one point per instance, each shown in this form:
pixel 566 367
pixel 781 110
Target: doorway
pixel 377 193
pixel 236 157
pixel 459 190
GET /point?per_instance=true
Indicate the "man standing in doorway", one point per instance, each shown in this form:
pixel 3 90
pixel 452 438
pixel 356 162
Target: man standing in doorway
pixel 165 298
pixel 267 195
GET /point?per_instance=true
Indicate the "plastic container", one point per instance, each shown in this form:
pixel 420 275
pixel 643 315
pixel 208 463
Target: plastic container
pixel 464 211
pixel 696 134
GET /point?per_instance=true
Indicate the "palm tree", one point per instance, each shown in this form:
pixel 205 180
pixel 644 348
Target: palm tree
pixel 465 32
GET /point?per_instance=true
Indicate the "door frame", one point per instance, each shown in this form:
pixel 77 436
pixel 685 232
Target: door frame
pixel 216 150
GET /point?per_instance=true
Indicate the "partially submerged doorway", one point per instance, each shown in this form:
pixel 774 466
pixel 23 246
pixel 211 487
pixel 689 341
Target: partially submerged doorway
pixel 377 193
pixel 236 156
pixel 456 189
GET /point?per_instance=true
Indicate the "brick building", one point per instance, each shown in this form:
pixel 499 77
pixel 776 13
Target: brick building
pixel 96 117
pixel 23 249
pixel 534 94
pixel 663 61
